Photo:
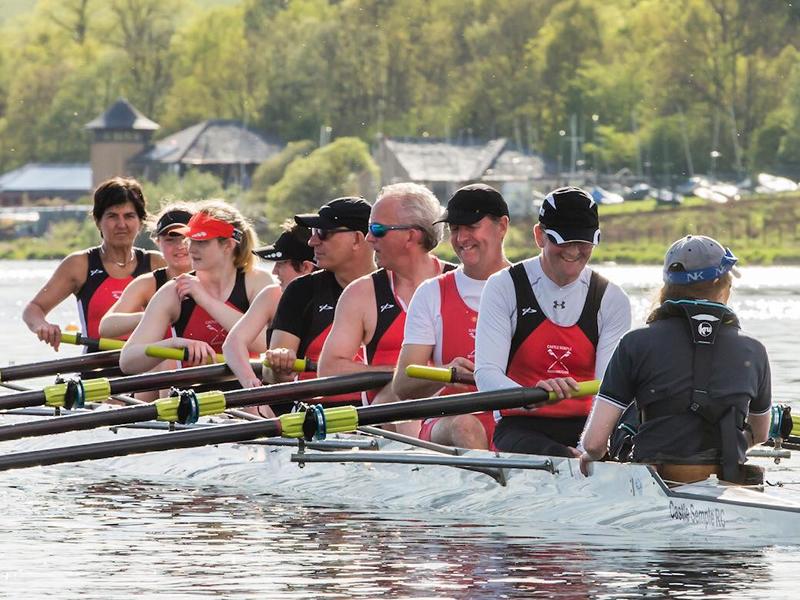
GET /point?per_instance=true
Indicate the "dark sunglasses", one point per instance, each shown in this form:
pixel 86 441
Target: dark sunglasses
pixel 379 230
pixel 324 234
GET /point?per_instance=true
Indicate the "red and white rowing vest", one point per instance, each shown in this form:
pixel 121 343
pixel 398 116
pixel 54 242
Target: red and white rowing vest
pixel 100 291
pixel 540 349
pixel 458 326
pixel 196 324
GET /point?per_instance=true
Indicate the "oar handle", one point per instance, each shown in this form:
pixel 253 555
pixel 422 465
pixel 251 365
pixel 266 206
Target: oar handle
pixel 440 374
pixel 78 339
pixel 174 353
pixel 585 388
pixel 300 365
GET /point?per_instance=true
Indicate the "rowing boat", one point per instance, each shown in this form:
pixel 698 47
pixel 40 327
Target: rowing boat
pixel 367 470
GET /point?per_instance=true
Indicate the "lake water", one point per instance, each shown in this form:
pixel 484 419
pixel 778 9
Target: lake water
pixel 82 532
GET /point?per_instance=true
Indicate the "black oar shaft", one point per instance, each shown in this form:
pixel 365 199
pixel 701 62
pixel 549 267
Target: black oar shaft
pixel 222 434
pixel 70 364
pixel 191 438
pixel 450 405
pixel 294 390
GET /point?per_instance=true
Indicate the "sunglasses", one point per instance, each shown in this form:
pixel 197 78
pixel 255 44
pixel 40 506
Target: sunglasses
pixel 379 230
pixel 324 234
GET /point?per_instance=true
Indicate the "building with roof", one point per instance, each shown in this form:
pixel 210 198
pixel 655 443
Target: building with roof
pixel 445 166
pixel 37 181
pixel 226 148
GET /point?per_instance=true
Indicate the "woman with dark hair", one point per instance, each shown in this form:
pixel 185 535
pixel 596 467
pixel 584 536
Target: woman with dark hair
pixel 127 311
pixel 202 306
pixel 97 275
pixel 701 386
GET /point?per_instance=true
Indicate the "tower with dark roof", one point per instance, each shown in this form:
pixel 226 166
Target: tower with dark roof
pixel 119 134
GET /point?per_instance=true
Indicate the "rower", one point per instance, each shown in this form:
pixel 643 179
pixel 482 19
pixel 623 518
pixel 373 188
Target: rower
pixel 293 258
pixel 305 312
pixel 549 321
pixel 127 311
pixel 202 306
pixel 442 316
pixel 707 399
pixel 372 310
pixel 97 275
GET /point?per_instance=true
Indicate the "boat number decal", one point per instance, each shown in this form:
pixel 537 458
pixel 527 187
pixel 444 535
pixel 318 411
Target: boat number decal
pixel 636 486
pixel 688 513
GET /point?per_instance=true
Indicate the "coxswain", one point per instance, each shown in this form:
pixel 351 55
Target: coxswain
pixel 372 309
pixel 201 307
pixel 292 258
pixel 550 321
pixel 125 314
pixel 98 275
pixel 305 312
pixel 700 384
pixel 443 314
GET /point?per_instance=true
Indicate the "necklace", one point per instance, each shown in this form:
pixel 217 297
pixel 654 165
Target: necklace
pixel 119 264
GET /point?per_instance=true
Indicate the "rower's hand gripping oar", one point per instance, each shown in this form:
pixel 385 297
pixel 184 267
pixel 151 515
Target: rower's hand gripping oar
pixel 78 339
pixel 182 354
pixel 440 374
pixel 311 424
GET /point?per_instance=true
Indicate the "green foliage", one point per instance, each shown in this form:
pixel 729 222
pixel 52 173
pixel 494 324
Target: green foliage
pixel 651 85
pixel 341 168
pixel 271 170
pixel 193 185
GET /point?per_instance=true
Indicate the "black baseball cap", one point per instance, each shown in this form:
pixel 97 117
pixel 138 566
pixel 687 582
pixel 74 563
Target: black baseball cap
pixel 288 246
pixel 569 214
pixel 349 212
pixel 172 219
pixel 473 202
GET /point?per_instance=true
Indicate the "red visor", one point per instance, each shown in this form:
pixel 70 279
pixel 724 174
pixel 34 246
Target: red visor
pixel 203 226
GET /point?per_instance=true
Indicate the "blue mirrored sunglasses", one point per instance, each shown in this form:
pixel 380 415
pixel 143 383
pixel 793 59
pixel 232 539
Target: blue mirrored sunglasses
pixel 379 230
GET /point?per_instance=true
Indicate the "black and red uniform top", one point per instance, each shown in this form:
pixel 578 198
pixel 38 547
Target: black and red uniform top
pixel 100 291
pixel 306 310
pixel 196 324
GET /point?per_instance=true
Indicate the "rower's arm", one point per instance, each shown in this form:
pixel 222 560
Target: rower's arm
pixel 759 426
pixel 249 335
pixel 67 279
pixel 496 324
pixel 599 427
pixel 160 313
pixel 348 333
pixel 125 314
pixel 406 387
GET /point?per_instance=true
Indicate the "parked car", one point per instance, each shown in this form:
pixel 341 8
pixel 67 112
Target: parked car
pixel 639 191
pixel 603 196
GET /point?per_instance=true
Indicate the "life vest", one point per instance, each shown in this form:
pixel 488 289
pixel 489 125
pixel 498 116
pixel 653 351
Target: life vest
pixel 717 423
pixel 100 291
pixel 196 324
pixel 540 349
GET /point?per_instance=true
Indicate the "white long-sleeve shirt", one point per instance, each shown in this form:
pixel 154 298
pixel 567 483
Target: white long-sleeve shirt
pixel 497 319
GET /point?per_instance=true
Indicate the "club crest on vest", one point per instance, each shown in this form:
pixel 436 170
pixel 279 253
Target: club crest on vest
pixel 559 354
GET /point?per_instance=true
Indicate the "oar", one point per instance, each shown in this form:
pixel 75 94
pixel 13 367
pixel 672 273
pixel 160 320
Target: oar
pixel 309 424
pixel 178 408
pixel 182 354
pixel 440 374
pixel 71 364
pixel 78 339
pixel 100 389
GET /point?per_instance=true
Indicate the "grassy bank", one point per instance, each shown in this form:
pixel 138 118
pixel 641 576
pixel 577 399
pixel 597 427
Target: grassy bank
pixel 760 230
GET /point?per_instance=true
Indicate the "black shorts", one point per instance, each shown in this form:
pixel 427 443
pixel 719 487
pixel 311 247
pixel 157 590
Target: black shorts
pixel 536 435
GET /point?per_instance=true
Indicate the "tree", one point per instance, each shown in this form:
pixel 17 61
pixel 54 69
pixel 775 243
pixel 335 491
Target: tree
pixel 343 167
pixel 272 170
